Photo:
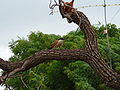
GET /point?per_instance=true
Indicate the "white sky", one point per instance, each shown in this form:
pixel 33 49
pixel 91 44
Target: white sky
pixel 19 17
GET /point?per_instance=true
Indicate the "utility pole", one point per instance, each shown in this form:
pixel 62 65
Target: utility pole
pixel 108 43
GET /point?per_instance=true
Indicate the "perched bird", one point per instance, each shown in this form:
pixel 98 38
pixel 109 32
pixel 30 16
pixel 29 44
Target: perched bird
pixel 68 7
pixel 68 10
pixel 57 43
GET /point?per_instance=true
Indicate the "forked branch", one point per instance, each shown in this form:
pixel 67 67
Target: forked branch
pixel 108 75
pixel 89 54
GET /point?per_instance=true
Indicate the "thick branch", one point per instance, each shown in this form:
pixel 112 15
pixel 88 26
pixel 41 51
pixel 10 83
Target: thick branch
pixel 108 75
pixel 89 54
pixel 11 68
pixel 42 56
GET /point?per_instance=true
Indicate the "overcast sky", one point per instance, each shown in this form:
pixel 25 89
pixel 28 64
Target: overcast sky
pixel 19 17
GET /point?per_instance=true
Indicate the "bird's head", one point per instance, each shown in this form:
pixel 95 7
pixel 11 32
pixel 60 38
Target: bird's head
pixel 61 39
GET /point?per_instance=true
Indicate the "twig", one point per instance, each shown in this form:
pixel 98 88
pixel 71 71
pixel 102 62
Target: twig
pixel 19 75
pixel 52 6
pixel 6 86
pixel 23 82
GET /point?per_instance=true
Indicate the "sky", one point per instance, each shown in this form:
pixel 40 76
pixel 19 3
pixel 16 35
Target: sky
pixel 19 17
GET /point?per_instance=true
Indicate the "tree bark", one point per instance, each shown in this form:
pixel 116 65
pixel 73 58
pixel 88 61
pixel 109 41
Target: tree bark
pixel 89 54
pixel 94 59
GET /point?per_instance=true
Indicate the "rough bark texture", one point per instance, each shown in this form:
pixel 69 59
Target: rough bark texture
pixel 89 54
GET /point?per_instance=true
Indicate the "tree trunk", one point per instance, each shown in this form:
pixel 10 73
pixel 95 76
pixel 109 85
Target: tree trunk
pixel 89 54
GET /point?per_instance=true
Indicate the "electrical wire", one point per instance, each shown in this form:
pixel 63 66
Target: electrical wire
pixel 115 15
pixel 98 5
pixel 94 6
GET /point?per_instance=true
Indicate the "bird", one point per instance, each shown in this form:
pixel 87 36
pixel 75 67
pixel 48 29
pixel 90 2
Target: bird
pixel 68 7
pixel 68 10
pixel 57 43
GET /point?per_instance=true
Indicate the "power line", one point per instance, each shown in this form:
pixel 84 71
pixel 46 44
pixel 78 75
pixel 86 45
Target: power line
pixel 99 5
pixel 94 6
pixel 115 15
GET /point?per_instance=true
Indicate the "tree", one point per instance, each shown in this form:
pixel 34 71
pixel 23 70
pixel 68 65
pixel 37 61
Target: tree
pixel 89 54
pixel 65 75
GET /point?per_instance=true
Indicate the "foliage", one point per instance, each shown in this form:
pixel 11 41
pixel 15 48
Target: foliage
pixel 63 75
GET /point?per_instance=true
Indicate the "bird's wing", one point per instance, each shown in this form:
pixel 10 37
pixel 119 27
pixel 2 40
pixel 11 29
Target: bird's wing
pixel 54 44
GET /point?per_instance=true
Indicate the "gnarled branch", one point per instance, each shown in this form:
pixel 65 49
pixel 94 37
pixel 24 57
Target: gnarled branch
pixel 108 75
pixel 89 54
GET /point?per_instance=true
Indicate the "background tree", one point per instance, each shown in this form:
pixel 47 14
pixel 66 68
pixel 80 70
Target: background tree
pixel 89 54
pixel 63 75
